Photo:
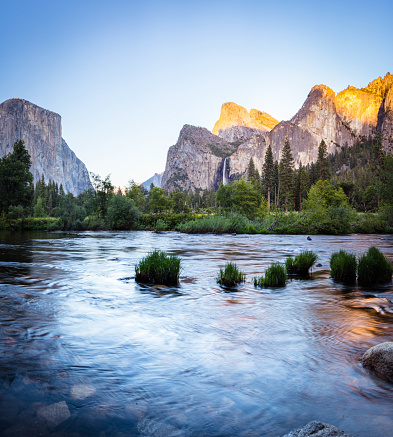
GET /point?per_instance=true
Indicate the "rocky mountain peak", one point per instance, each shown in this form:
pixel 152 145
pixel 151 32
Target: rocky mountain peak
pixel 41 131
pixel 237 123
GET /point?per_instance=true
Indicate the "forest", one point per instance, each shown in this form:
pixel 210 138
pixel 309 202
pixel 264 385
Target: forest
pixel 346 192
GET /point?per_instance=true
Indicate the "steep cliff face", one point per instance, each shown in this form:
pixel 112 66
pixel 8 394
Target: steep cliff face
pixel 338 120
pixel 41 131
pixel 236 123
pixel 196 160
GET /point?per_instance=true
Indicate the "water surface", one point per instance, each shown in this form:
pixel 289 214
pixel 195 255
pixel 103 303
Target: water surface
pixel 78 333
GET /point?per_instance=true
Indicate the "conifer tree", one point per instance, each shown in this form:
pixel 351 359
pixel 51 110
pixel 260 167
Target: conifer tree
pixel 253 175
pixel 268 173
pixel 322 164
pixel 276 184
pixel 286 169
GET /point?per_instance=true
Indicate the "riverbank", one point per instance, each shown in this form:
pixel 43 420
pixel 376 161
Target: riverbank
pixel 279 222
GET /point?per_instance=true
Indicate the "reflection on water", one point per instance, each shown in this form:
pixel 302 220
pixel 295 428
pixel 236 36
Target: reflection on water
pixel 85 351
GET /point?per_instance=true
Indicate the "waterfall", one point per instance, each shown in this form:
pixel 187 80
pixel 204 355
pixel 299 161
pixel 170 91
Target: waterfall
pixel 224 173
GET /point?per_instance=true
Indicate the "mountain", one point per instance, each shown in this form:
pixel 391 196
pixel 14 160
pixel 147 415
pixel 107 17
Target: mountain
pixel 155 180
pixel 201 159
pixel 40 129
pixel 236 123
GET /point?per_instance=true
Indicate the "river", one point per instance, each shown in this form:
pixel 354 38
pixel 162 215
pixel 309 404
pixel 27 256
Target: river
pixel 85 351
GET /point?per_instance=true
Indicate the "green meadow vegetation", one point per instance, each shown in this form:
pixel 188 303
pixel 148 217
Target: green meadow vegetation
pixel 158 268
pixel 275 276
pixel 302 263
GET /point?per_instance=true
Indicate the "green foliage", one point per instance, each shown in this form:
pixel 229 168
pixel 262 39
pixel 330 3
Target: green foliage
pixel 275 276
pixel 161 225
pixel 15 178
pixel 158 268
pixel 322 165
pixel 122 212
pixel 103 191
pixel 70 212
pixel 268 174
pixel 230 275
pixel 302 262
pixel 286 176
pixel 240 196
pixel 38 208
pixel 216 224
pixel 158 200
pixel 374 268
pixel 343 266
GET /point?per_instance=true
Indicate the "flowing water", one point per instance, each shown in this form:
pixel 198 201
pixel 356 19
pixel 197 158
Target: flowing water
pixel 85 351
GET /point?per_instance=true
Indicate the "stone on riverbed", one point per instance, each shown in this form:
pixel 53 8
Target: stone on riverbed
pixel 317 429
pixel 82 391
pixel 54 414
pixel 379 358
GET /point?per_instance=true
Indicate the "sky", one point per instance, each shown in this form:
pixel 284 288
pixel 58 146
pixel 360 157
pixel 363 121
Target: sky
pixel 125 76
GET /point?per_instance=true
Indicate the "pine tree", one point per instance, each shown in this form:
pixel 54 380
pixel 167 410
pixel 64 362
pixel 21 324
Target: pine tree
pixel 253 175
pixel 322 164
pixel 268 173
pixel 276 184
pixel 286 169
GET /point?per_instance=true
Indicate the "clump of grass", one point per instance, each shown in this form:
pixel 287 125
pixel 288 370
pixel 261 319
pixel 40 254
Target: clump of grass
pixel 230 275
pixel 302 262
pixel 374 268
pixel 158 268
pixel 343 266
pixel 275 276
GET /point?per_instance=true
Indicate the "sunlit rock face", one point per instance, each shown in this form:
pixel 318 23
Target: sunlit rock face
pixel 236 123
pixel 338 120
pixel 40 129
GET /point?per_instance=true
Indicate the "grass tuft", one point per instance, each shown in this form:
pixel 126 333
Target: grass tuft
pixel 230 275
pixel 302 263
pixel 343 266
pixel 374 268
pixel 275 276
pixel 158 268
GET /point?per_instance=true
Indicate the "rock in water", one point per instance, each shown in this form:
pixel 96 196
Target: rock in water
pixel 82 391
pixel 380 360
pixel 54 414
pixel 317 429
pixel 40 129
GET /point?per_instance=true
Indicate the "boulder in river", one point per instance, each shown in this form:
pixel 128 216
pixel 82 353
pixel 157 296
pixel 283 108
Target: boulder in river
pixel 317 429
pixel 379 359
pixel 54 414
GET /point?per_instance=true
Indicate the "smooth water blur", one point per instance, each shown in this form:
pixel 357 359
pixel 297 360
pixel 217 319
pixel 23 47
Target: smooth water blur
pixel 196 360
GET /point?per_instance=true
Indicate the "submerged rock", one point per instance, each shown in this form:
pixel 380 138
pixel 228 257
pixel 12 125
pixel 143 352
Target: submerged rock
pixel 54 414
pixel 152 428
pixel 82 391
pixel 379 359
pixel 317 429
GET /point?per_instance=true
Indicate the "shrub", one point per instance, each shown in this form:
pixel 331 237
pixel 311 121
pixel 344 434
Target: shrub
pixel 161 225
pixel 275 276
pixel 302 263
pixel 158 268
pixel 230 275
pixel 122 212
pixel 217 224
pixel 343 266
pixel 374 268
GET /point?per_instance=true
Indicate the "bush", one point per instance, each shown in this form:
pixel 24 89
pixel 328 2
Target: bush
pixel 275 276
pixel 158 268
pixel 302 263
pixel 343 266
pixel 122 212
pixel 230 275
pixel 216 224
pixel 374 268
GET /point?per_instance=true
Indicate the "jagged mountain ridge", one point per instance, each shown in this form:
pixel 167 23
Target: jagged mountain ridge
pixel 155 180
pixel 339 119
pixel 41 131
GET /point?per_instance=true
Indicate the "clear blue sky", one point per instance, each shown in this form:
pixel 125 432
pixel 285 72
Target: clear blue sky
pixel 126 75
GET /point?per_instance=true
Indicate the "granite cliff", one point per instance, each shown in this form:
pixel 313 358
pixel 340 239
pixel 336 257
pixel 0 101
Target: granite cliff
pixel 40 129
pixel 201 159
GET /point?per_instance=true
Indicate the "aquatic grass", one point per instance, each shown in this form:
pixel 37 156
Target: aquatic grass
pixel 343 266
pixel 230 275
pixel 301 264
pixel 275 276
pixel 374 268
pixel 158 268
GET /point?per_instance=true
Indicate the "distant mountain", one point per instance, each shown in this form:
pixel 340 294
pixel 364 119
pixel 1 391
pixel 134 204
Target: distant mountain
pixel 40 129
pixel 201 159
pixel 155 180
